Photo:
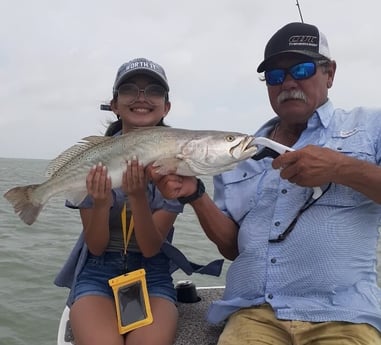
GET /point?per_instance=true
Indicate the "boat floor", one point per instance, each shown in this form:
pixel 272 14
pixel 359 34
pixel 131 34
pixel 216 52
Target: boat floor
pixel 192 327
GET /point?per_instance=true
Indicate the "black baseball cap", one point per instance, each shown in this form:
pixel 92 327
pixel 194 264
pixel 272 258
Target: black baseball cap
pixel 299 38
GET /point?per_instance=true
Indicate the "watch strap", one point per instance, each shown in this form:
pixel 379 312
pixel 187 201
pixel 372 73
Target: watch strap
pixel 200 190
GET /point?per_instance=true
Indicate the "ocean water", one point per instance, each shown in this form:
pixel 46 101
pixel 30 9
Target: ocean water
pixel 30 257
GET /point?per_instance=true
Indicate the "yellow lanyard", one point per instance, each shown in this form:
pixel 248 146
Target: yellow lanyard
pixel 126 236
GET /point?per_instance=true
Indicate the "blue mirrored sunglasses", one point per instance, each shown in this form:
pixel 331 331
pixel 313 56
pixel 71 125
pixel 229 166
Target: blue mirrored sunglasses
pixel 300 71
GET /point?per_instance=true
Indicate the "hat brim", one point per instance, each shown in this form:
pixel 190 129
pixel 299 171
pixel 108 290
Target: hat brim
pixel 137 71
pixel 265 63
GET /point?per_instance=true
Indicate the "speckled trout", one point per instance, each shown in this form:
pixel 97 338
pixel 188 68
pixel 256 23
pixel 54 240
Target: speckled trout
pixel 171 150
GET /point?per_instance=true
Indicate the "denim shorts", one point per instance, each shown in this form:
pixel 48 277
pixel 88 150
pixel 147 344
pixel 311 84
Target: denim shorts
pixel 94 276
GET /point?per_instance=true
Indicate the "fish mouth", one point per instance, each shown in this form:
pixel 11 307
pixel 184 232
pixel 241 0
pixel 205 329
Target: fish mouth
pixel 244 149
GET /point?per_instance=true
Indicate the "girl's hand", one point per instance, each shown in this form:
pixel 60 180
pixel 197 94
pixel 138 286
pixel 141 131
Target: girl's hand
pixel 134 181
pixel 98 186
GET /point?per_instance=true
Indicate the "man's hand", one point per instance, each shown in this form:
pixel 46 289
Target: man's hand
pixel 173 186
pixel 310 166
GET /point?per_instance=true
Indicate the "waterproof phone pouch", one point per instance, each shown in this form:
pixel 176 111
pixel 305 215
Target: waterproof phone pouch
pixel 131 300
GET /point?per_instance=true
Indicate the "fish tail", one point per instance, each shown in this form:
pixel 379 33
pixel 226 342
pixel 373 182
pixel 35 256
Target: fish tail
pixel 24 203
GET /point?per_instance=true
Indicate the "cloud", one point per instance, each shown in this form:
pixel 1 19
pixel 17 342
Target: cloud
pixel 59 61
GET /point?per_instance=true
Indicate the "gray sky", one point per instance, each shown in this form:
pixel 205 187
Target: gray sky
pixel 58 61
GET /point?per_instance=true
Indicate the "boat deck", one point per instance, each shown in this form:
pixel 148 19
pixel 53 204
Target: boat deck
pixel 193 328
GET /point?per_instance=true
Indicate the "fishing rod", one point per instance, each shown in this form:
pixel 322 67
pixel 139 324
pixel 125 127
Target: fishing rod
pixel 300 12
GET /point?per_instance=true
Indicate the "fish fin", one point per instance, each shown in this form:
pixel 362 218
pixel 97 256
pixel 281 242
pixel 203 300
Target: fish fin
pixel 185 170
pixel 166 166
pixel 23 204
pixel 172 165
pixel 76 197
pixel 83 145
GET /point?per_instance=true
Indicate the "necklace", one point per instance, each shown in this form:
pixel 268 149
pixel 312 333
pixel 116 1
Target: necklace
pixel 275 131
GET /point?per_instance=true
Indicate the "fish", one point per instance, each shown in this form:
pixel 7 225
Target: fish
pixel 170 150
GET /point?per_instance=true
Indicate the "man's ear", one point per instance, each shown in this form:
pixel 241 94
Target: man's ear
pixel 331 73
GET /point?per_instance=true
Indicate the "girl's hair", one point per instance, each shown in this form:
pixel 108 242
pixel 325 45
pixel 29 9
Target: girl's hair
pixel 113 128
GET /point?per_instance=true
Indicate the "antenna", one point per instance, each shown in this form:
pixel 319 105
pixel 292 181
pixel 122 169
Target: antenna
pixel 300 12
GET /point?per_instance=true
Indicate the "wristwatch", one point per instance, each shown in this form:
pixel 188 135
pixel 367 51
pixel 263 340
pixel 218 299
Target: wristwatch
pixel 197 194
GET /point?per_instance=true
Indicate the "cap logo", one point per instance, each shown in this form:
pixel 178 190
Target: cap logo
pixel 141 64
pixel 299 40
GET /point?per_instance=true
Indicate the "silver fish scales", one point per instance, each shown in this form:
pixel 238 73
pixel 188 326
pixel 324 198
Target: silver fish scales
pixel 171 150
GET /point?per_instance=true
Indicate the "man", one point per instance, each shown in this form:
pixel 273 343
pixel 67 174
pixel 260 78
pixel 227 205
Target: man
pixel 303 269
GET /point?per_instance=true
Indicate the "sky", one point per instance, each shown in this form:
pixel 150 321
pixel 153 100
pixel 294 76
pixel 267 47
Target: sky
pixel 58 61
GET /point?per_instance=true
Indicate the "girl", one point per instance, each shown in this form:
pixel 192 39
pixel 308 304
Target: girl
pixel 140 99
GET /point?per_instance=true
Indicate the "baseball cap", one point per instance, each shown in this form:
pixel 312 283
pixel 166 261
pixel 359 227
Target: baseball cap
pixel 300 38
pixel 140 66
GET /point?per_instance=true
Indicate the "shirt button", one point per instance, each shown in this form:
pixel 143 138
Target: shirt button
pixel 277 223
pixel 284 191
pixel 270 296
pixel 273 260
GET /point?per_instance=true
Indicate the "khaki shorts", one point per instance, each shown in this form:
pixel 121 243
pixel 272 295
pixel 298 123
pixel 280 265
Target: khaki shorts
pixel 258 326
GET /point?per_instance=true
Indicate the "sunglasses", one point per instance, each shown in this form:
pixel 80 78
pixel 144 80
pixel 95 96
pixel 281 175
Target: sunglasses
pixel 153 93
pixel 300 71
pixel 310 201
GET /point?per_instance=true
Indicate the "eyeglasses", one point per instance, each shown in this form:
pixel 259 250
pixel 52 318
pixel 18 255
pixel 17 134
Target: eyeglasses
pixel 300 71
pixel 310 201
pixel 153 93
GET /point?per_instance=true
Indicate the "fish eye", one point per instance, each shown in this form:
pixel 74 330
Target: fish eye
pixel 230 138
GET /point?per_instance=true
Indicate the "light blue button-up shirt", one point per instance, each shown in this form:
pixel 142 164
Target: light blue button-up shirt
pixel 325 269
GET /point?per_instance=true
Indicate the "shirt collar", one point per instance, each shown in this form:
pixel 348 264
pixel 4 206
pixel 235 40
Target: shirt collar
pixel 325 113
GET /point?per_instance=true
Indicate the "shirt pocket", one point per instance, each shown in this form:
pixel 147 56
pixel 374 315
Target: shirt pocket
pixel 353 142
pixel 240 189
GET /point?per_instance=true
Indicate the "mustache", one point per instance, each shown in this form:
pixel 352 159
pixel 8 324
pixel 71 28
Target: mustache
pixel 291 95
